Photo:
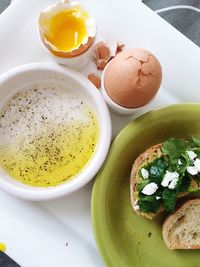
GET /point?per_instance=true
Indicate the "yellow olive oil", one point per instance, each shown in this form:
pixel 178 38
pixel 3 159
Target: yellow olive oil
pixel 47 135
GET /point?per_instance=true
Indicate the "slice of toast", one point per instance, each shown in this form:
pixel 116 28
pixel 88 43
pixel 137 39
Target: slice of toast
pixel 181 230
pixel 144 159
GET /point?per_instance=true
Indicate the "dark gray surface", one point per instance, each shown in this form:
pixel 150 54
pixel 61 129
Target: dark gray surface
pixel 185 20
pixel 6 261
pixel 157 4
pixel 4 4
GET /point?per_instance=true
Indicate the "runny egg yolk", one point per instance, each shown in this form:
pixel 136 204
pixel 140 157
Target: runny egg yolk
pixel 67 30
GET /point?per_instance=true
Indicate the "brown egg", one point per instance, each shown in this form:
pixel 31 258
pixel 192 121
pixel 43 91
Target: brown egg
pixel 133 77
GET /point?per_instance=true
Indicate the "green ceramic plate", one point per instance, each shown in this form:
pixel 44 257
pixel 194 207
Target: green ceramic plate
pixel 125 239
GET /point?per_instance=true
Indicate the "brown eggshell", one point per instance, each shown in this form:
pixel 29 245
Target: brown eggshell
pixel 101 55
pixel 133 77
pixel 95 80
pixel 102 50
pixel 101 64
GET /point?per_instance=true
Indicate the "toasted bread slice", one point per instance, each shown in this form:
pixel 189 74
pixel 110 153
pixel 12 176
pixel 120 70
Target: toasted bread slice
pixel 144 159
pixel 181 230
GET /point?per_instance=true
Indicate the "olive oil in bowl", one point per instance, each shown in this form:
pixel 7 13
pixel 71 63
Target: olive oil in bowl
pixel 48 134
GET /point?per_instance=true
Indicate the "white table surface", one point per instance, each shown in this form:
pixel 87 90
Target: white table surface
pixel 36 233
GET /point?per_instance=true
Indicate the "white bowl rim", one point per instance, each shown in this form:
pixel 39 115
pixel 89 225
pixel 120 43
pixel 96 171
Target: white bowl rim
pixel 46 193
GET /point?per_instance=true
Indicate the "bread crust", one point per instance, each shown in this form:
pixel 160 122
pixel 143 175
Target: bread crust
pixel 173 219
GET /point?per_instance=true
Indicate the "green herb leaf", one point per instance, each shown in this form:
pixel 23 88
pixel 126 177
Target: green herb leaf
pixel 185 183
pixel 151 198
pixel 194 142
pixel 148 203
pixel 146 206
pixel 181 168
pixel 174 148
pixel 169 199
pixel 157 170
pixel 197 178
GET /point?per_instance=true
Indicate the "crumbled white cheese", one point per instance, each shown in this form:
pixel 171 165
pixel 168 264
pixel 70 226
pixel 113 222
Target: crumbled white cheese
pixel 150 189
pixel 173 183
pixel 191 154
pixel 136 206
pixel 157 197
pixel 180 162
pixel 169 177
pixel 192 170
pixel 197 164
pixel 145 173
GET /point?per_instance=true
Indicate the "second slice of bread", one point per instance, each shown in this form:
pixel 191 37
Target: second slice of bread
pixel 181 230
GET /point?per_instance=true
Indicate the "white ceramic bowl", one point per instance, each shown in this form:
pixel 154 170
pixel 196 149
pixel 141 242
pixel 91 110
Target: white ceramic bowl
pixel 16 79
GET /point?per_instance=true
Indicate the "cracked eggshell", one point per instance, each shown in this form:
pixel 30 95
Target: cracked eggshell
pixel 104 51
pixel 95 80
pixel 133 77
pixel 44 24
pixel 101 55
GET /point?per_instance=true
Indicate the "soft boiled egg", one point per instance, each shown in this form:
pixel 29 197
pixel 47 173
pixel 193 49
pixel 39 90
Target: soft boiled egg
pixel 66 29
